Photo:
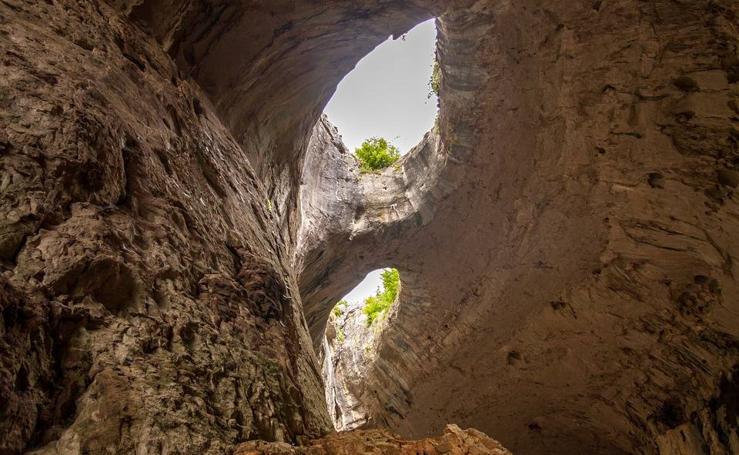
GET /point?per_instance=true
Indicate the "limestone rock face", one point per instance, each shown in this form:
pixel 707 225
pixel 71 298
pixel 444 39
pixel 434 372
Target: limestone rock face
pixel 267 68
pixel 349 352
pixel 176 222
pixel 454 441
pixel 353 223
pixel 573 261
pixel 147 301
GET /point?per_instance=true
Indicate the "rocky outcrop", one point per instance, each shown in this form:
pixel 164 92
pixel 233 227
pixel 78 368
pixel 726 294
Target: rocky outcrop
pixel 454 441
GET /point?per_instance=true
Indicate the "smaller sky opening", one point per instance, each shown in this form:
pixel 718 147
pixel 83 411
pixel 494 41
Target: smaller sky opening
pixel 387 94
pixel 366 288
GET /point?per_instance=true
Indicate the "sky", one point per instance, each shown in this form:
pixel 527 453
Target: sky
pixel 386 95
pixel 366 288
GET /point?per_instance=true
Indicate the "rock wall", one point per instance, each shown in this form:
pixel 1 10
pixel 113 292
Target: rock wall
pixel 148 301
pixel 570 286
pixel 270 67
pixel 604 227
pixel 354 223
pixel 566 236
pixel 349 352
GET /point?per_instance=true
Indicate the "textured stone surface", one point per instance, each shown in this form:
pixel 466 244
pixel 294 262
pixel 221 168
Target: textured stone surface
pixel 454 441
pixel 269 67
pixel 353 224
pixel 148 303
pixel 566 237
pixel 573 286
pixel 349 352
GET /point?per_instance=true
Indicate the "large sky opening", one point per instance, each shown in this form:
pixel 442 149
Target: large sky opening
pixel 387 94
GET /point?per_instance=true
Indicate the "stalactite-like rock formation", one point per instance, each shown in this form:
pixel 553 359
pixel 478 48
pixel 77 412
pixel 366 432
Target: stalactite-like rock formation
pixel 176 222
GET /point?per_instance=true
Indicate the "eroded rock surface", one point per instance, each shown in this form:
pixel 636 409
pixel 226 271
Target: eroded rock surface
pixel 354 223
pixel 454 441
pixel 566 237
pixel 577 268
pixel 349 353
pixel 148 301
pixel 270 67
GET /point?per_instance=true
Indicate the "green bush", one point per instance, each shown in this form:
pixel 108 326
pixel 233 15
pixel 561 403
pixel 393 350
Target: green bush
pixel 376 305
pixel 376 153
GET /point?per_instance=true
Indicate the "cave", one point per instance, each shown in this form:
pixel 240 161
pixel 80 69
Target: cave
pixel 178 220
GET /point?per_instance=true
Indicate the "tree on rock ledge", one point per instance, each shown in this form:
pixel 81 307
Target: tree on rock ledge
pixel 375 154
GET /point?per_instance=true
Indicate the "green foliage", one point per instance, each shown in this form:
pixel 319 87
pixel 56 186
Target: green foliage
pixel 340 335
pixel 376 305
pixel 376 153
pixel 391 282
pixel 435 81
pixel 339 308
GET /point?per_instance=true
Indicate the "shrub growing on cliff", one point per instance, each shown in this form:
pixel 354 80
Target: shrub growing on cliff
pixel 340 335
pixel 376 305
pixel 376 153
pixel 435 81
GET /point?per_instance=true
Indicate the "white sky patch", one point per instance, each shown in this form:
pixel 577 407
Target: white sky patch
pixel 386 95
pixel 366 288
